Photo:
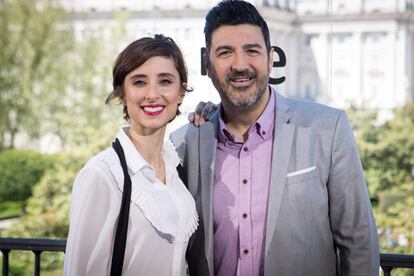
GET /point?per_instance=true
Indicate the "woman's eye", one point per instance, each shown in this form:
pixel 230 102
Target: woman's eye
pixel 165 82
pixel 139 82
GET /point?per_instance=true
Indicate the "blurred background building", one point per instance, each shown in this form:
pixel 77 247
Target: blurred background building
pixel 338 52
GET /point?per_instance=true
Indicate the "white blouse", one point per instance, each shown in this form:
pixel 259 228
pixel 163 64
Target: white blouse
pixel 161 220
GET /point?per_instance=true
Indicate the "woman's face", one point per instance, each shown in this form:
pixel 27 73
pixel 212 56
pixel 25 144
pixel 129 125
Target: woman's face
pixel 152 93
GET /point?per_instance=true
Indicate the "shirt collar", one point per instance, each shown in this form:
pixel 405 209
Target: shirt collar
pixel 133 158
pixel 263 126
pixel 266 121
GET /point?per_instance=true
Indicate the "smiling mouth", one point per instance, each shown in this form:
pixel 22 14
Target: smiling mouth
pixel 153 110
pixel 242 82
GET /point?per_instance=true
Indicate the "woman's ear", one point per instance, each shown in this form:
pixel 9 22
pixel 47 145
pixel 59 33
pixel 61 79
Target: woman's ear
pixel 121 95
pixel 181 98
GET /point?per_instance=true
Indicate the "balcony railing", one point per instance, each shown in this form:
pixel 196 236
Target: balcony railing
pixel 37 246
pixel 387 261
pixel 390 261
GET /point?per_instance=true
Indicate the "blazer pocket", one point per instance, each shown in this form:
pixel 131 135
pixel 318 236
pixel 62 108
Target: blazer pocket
pixel 301 175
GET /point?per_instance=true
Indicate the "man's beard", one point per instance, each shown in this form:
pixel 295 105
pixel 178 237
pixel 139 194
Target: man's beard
pixel 241 103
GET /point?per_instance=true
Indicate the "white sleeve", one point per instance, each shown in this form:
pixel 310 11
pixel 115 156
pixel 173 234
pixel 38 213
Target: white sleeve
pixel 90 214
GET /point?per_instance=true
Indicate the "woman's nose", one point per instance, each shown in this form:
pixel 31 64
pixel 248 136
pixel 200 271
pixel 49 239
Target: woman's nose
pixel 152 93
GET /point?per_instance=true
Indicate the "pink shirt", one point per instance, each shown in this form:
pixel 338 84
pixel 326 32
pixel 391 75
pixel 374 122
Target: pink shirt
pixel 240 195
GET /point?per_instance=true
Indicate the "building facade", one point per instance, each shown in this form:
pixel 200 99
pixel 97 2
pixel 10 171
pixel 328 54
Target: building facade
pixel 338 52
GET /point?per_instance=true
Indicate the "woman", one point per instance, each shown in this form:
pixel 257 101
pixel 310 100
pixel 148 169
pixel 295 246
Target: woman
pixel 150 80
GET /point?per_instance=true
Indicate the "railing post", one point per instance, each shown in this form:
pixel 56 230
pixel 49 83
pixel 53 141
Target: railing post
pixel 387 270
pixel 5 253
pixel 37 262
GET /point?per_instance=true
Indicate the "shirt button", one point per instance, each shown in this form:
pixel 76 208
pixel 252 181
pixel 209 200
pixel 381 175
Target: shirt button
pixel 246 252
pixel 244 215
pixel 263 132
pixel 245 149
pixel 244 181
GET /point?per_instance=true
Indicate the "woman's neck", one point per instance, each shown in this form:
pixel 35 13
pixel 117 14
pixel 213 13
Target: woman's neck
pixel 149 147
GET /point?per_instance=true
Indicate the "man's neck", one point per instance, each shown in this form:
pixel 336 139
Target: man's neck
pixel 238 121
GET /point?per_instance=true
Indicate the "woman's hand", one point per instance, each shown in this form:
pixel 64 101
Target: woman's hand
pixel 200 115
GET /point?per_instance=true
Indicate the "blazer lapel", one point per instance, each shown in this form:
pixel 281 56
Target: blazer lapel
pixel 282 143
pixel 208 145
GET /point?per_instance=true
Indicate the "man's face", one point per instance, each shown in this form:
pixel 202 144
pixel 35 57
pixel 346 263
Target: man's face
pixel 239 65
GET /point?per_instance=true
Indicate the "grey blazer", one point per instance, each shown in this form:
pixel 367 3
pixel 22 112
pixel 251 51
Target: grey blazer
pixel 319 217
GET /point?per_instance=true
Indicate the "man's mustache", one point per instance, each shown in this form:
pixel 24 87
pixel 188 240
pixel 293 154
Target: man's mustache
pixel 240 74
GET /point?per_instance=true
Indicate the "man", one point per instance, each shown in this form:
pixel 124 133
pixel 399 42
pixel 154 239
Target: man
pixel 278 183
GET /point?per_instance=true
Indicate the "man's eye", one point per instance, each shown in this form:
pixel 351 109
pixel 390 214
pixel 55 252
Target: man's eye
pixel 224 53
pixel 252 52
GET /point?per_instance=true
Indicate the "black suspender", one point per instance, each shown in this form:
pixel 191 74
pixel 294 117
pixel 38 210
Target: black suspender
pixel 122 227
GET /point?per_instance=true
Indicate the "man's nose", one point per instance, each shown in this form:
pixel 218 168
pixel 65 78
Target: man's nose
pixel 239 62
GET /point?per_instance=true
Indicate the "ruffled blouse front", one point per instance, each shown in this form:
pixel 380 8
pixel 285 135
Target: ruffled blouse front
pixel 162 216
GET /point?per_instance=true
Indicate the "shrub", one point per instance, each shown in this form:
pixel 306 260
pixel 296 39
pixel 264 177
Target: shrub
pixel 20 170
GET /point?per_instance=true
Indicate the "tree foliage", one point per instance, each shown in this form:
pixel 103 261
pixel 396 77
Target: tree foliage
pixel 53 84
pixel 32 51
pixel 20 170
pixel 50 82
pixel 387 154
pixel 48 209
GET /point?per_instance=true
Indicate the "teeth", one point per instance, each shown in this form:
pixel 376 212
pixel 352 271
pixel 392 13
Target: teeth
pixel 240 80
pixel 153 109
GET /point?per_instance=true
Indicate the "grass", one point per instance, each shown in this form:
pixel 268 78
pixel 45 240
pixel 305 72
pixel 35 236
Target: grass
pixel 58 272
pixel 10 209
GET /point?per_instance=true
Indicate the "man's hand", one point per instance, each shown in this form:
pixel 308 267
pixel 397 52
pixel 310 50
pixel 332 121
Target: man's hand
pixel 200 115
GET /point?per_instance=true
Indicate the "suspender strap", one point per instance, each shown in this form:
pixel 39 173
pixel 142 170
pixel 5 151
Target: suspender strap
pixel 122 227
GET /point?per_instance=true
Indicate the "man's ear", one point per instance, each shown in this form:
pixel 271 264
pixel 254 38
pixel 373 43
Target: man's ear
pixel 206 60
pixel 271 57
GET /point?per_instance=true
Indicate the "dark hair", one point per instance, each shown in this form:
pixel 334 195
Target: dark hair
pixel 234 12
pixel 136 54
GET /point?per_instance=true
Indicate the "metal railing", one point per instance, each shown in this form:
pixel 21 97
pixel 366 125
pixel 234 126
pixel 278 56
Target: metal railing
pixel 390 261
pixel 37 246
pixel 387 261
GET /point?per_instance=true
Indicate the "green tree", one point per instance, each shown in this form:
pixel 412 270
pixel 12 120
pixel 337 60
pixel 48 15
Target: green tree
pixel 50 83
pixel 387 155
pixel 32 52
pixel 47 213
pixel 83 114
pixel 20 170
pixel 77 119
pixel 387 149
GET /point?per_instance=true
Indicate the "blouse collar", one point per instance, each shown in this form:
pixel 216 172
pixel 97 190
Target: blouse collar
pixel 142 198
pixel 136 162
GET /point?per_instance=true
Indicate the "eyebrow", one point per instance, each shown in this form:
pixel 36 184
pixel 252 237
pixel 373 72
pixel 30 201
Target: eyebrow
pixel 164 74
pixel 245 47
pixel 136 76
pixel 223 47
pixel 252 45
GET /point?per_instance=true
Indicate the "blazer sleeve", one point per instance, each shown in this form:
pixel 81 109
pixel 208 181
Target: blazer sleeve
pixel 89 212
pixel 352 221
